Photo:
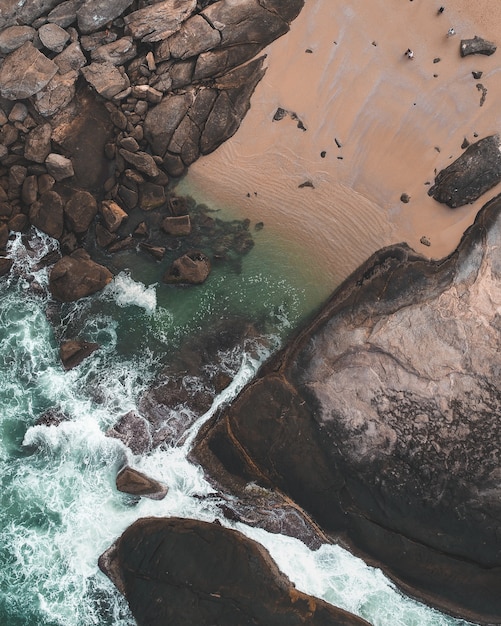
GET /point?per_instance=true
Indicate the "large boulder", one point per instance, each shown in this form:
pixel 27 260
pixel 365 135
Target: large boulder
pixel 73 351
pixel 477 45
pixel 159 21
pixel 381 418
pixel 47 214
pixel 135 483
pixel 476 171
pixel 186 572
pixel 95 14
pixel 77 276
pixel 25 72
pixel 80 210
pixel 191 268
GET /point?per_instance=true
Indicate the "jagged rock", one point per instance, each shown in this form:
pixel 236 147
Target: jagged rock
pixel 192 268
pixel 128 196
pixel 161 121
pixel 141 230
pixel 117 52
pixel 80 210
pixel 151 196
pixel 5 265
pixel 18 113
pixel 113 215
pixel 25 72
pixel 71 58
pixel 65 13
pixel 91 42
pixel 103 236
pixel 58 166
pixel 72 352
pixel 381 418
pixel 13 37
pixel 38 143
pixel 57 94
pixel 476 171
pixel 177 226
pixel 135 483
pixel 195 36
pixel 160 20
pixel 94 14
pixel 217 62
pixel 142 161
pixel 53 37
pixel 52 417
pixel 47 214
pixel 106 79
pixel 77 276
pixel 122 244
pixel 14 11
pixel 172 570
pixel 133 431
pixel 231 105
pixel 157 252
pixel 477 45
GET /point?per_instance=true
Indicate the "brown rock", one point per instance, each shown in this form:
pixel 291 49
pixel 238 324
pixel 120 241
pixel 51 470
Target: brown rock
pixel 64 14
pixel 159 21
pixel 74 351
pixel 192 268
pixel 141 230
pixel 196 35
pixel 45 183
pixel 186 572
pixel 18 222
pixel 177 226
pixel 5 265
pixel 157 252
pixel 77 276
pixel 47 214
pixel 151 196
pixel 113 215
pixel 25 72
pixel 104 237
pixel 135 483
pixel 57 94
pixel 162 120
pixel 4 235
pixel 133 431
pixel 106 79
pixel 58 166
pixel 117 52
pixel 53 37
pixel 142 161
pixel 38 143
pixel 29 192
pixel 80 210
pixel 94 14
pixel 72 58
pixel 13 37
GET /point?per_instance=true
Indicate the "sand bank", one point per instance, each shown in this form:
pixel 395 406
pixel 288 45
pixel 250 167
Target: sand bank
pixel 384 122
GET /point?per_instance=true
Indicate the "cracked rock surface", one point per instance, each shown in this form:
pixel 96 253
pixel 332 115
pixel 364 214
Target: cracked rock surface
pixel 381 419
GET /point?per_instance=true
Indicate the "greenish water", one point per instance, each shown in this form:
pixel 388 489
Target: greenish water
pixel 59 508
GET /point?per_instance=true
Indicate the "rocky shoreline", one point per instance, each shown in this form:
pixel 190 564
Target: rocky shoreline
pixel 375 427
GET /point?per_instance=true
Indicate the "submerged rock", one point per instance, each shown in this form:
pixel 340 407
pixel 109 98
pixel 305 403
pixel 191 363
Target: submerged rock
pixel 476 171
pixel 186 572
pixel 381 418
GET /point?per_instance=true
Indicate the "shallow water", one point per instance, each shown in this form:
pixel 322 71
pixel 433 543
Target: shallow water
pixel 59 508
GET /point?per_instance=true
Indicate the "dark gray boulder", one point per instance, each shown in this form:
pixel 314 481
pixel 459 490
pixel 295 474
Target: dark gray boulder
pixel 95 14
pixel 477 45
pixel 186 572
pixel 381 419
pixel 160 20
pixel 476 171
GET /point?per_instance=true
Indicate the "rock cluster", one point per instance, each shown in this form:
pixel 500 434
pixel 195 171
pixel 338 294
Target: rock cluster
pixel 102 102
pixel 381 419
pixel 185 572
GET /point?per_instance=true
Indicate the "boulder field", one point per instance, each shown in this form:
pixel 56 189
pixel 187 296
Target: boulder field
pixel 381 419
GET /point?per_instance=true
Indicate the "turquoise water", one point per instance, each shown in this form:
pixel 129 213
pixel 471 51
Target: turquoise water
pixel 59 508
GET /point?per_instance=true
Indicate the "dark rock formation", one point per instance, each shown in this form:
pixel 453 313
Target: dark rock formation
pixel 77 276
pixel 73 351
pixel 476 171
pixel 477 45
pixel 135 483
pixel 133 431
pixel 381 418
pixel 193 268
pixel 187 572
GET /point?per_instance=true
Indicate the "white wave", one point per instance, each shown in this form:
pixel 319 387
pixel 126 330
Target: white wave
pixel 128 292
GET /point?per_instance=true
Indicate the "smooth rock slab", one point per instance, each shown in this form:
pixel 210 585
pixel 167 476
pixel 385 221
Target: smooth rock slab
pixel 25 72
pixel 187 573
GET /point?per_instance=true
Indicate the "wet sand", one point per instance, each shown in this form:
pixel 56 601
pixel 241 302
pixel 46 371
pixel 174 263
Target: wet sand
pixel 343 72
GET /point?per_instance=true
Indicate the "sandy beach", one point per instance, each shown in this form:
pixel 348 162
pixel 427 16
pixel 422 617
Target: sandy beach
pixel 376 125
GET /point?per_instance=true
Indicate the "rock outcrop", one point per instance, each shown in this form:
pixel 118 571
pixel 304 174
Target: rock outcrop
pixel 477 45
pixel 185 572
pixel 116 98
pixel 135 483
pixel 77 276
pixel 73 351
pixel 381 418
pixel 476 171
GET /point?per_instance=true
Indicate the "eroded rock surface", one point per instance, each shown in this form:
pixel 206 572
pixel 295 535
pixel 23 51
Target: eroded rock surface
pixel 187 572
pixel 382 420
pixel 476 171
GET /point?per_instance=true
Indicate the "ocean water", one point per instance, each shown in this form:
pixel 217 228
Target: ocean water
pixel 59 508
